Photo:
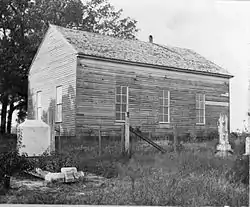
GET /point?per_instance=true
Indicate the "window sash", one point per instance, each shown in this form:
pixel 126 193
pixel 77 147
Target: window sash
pixel 38 98
pixel 121 102
pixel 164 116
pixel 59 104
pixel 59 113
pixel 39 105
pixel 39 113
pixel 200 108
pixel 58 94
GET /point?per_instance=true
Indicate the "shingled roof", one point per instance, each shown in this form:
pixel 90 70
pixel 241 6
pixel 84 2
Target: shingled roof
pixel 136 51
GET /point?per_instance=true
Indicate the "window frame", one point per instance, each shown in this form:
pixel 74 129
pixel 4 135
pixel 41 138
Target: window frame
pixel 163 106
pixel 57 119
pixel 200 107
pixel 120 103
pixel 38 105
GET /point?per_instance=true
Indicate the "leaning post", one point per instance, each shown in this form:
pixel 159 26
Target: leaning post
pixel 127 141
pixel 175 138
pixel 99 141
pixel 122 138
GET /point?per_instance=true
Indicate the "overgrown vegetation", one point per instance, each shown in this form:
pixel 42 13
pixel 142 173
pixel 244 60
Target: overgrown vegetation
pixel 191 177
pixel 188 178
pixel 194 176
pixel 11 161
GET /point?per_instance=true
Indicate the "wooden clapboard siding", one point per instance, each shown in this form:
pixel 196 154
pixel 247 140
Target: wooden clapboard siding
pixel 54 65
pixel 248 99
pixel 95 95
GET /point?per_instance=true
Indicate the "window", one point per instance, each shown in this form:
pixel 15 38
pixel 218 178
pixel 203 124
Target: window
pixel 121 102
pixel 39 105
pixel 59 104
pixel 200 108
pixel 164 115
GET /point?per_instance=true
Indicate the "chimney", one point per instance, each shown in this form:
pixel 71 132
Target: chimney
pixel 150 38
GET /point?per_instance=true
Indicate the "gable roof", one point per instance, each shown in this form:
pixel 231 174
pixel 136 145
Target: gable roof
pixel 136 51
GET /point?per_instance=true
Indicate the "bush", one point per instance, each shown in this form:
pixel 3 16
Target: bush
pixel 239 171
pixel 104 165
pixel 10 160
pixel 11 163
pixel 203 136
pixel 187 137
pixel 56 161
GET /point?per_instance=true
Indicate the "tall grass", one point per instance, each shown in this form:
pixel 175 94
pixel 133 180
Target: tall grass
pixel 194 176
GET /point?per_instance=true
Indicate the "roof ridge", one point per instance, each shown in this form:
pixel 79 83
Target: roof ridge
pixel 96 33
pixel 138 51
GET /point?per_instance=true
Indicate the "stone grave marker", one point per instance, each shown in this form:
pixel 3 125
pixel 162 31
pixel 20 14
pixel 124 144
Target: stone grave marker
pixel 223 148
pixel 247 146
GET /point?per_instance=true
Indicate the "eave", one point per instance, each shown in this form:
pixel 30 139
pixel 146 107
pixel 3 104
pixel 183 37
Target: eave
pixel 155 66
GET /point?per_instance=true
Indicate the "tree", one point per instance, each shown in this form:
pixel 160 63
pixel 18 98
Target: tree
pixel 16 53
pixel 23 24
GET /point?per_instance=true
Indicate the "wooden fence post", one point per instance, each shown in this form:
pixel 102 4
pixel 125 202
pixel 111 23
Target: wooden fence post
pixel 175 138
pixel 52 131
pixel 127 140
pixel 100 142
pixel 122 138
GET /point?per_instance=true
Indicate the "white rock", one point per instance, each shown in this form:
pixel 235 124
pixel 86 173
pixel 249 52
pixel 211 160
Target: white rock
pixel 41 173
pixel 68 169
pixel 79 175
pixel 69 177
pixel 59 177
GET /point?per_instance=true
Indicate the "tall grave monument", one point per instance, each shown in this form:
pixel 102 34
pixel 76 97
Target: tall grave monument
pixel 223 148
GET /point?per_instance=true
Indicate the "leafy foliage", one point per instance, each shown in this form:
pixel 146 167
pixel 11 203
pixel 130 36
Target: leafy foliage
pixel 12 162
pixel 55 161
pixel 153 179
pixel 23 24
pixel 240 170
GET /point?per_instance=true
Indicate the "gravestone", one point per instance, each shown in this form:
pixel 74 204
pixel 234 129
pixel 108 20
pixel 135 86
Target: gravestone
pixel 247 146
pixel 223 148
pixel 69 174
pixel 34 136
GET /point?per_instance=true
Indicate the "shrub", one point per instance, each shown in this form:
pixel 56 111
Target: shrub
pixel 203 136
pixel 240 170
pixel 187 137
pixel 11 161
pixel 212 135
pixel 56 161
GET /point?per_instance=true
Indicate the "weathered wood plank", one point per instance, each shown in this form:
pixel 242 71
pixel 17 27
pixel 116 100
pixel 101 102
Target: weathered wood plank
pixel 54 65
pixel 97 82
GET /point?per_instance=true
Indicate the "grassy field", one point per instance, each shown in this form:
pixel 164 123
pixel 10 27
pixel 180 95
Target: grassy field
pixel 194 176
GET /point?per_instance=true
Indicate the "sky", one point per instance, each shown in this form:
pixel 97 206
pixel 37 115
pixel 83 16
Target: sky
pixel 218 30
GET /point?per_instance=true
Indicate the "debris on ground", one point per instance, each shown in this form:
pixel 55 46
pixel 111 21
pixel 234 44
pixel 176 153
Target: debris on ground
pixel 27 184
pixel 67 175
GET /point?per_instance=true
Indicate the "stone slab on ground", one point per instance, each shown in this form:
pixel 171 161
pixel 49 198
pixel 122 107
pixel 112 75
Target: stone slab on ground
pixel 69 177
pixel 41 173
pixel 68 169
pixel 58 177
pixel 24 183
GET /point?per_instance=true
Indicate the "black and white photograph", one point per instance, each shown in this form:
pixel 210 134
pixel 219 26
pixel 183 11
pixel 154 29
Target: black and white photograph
pixel 125 102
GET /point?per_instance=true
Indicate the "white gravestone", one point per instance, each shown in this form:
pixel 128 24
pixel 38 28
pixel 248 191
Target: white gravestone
pixel 247 146
pixel 223 147
pixel 69 174
pixel 34 136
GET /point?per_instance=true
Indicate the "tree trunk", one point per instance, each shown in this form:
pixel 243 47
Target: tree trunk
pixel 9 119
pixel 3 115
